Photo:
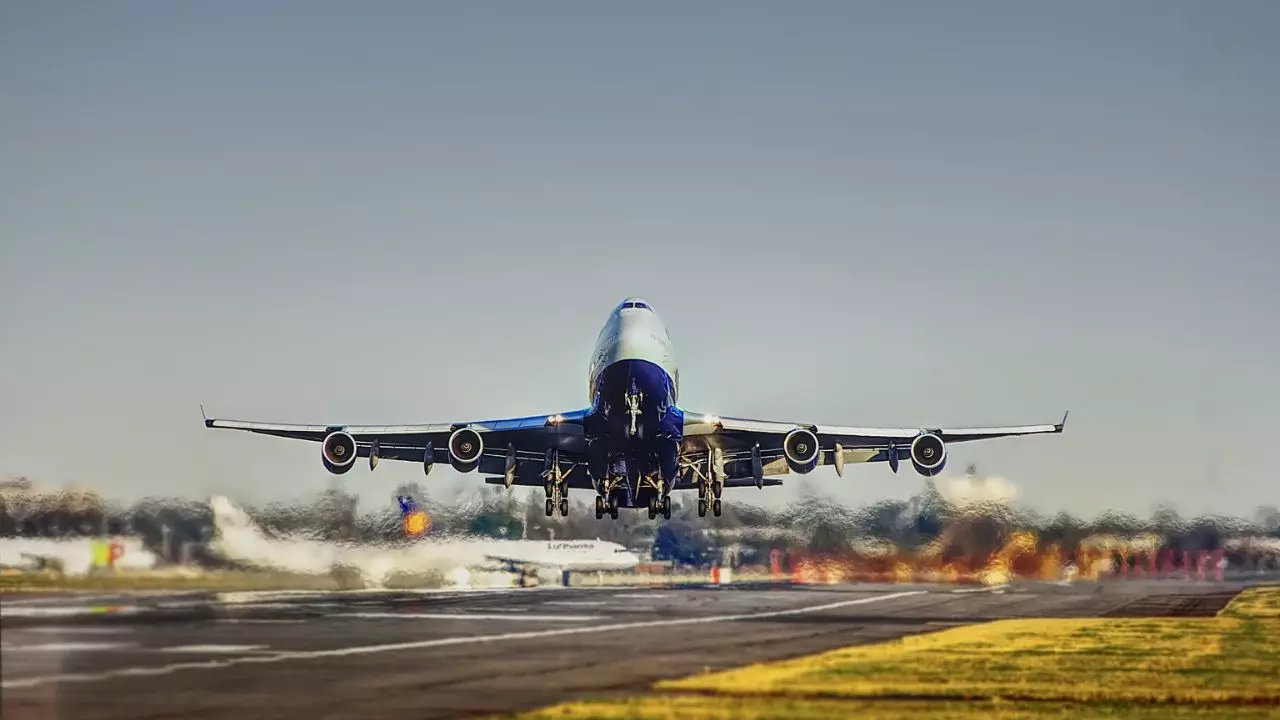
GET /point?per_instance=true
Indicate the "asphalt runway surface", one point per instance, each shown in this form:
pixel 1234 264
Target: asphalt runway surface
pixel 438 654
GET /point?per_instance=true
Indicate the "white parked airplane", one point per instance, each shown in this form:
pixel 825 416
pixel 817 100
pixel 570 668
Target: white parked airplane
pixel 238 538
pixel 633 444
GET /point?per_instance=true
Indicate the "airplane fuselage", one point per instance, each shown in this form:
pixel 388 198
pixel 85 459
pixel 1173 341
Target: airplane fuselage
pixel 635 427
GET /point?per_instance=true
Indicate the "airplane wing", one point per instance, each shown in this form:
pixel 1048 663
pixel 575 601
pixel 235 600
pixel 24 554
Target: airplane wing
pixel 753 449
pixel 492 446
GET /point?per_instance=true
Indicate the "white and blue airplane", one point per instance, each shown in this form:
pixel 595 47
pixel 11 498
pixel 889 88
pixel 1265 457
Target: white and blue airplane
pixel 633 445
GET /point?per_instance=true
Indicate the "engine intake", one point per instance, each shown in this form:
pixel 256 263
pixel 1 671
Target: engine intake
pixel 928 454
pixel 465 448
pixel 338 452
pixel 801 449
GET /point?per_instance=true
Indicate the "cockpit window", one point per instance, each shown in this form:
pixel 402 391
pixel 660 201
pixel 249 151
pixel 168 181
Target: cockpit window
pixel 638 305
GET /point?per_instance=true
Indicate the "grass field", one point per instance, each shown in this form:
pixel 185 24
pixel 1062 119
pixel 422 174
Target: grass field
pixel 1221 667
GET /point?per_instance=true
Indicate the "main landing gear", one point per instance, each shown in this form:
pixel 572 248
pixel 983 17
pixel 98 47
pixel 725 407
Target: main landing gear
pixel 710 481
pixel 660 505
pixel 557 487
pixel 609 506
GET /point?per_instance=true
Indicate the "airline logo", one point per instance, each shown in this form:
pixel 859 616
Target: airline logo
pixel 570 545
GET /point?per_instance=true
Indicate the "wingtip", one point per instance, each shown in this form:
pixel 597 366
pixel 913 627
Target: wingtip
pixel 208 421
pixel 1063 425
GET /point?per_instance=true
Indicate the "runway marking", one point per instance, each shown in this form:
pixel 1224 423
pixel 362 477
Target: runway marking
pixel 438 642
pixel 992 588
pixel 641 596
pixel 72 630
pixel 67 647
pixel 260 621
pixel 467 616
pixel 575 603
pixel 68 611
pixel 213 648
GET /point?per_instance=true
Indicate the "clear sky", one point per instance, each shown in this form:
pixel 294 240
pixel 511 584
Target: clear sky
pixel 848 212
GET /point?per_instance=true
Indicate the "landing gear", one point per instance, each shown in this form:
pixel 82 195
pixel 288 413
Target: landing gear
pixel 633 400
pixel 556 487
pixel 660 505
pixel 710 484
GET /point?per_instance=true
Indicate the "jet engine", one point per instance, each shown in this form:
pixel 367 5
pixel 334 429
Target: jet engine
pixel 465 448
pixel 928 454
pixel 801 448
pixel 338 451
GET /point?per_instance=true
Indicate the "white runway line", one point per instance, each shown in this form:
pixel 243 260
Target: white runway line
pixel 641 596
pixel 467 616
pixel 213 649
pixel 14 683
pixel 575 603
pixel 72 630
pixel 28 611
pixel 67 647
pixel 992 588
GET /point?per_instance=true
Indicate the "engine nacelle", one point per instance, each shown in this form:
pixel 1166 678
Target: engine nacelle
pixel 338 452
pixel 801 449
pixel 465 448
pixel 928 454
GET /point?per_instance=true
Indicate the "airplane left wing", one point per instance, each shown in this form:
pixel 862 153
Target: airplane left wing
pixel 742 448
pixel 513 447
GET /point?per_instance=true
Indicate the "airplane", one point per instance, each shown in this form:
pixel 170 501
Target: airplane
pixel 238 538
pixel 633 445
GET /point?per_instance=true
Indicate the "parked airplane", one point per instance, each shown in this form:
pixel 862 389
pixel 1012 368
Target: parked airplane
pixel 633 445
pixel 238 538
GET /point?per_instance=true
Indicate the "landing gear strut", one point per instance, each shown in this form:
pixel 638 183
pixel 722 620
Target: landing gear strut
pixel 557 486
pixel 609 506
pixel 660 505
pixel 710 481
pixel 633 399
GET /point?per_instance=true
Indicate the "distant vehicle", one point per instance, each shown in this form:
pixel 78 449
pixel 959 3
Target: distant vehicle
pixel 75 556
pixel 415 520
pixel 633 445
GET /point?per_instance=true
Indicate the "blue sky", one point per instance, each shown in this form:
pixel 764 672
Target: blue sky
pixel 858 213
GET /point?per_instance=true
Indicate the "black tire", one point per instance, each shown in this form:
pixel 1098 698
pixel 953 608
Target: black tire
pixel 715 507
pixel 702 508
pixel 550 507
pixel 564 507
pixel 599 507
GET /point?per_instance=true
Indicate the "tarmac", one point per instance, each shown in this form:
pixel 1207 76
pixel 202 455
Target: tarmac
pixel 445 654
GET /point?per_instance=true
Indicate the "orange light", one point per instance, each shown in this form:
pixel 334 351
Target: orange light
pixel 416 523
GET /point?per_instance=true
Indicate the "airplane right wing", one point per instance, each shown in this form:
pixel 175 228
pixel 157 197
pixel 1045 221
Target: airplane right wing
pixel 748 451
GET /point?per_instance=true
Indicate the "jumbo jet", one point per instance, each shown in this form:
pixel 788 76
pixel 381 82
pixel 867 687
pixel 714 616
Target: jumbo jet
pixel 633 445
pixel 238 538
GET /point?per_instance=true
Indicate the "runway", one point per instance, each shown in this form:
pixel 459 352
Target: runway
pixel 463 654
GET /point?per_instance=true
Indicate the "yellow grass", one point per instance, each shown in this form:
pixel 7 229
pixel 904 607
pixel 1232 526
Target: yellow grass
pixel 689 707
pixel 1257 603
pixel 1225 666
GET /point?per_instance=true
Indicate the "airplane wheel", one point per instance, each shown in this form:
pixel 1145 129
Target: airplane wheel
pixel 715 507
pixel 550 507
pixel 599 507
pixel 702 508
pixel 564 507
pixel 717 489
pixel 613 510
pixel 666 508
